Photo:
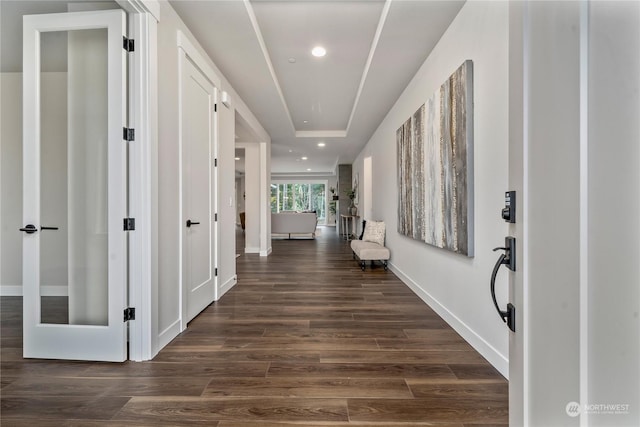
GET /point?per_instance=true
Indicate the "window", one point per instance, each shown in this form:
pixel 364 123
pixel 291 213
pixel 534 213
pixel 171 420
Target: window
pixel 300 196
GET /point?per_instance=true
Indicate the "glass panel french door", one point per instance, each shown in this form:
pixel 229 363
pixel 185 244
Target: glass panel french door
pixel 75 188
pixel 300 197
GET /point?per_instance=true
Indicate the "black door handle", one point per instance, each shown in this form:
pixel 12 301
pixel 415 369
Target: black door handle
pixel 29 229
pixel 48 228
pixel 190 223
pixel 508 259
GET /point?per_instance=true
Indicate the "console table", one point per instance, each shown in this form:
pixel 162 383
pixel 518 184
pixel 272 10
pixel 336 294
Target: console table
pixel 347 228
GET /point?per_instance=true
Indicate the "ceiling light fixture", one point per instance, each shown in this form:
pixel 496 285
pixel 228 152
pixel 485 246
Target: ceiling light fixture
pixel 305 121
pixel 321 144
pixel 318 51
pixel 237 158
pixel 304 158
pixel 292 60
pixel 308 170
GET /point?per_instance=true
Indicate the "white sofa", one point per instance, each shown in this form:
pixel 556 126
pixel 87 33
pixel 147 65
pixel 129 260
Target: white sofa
pixel 294 223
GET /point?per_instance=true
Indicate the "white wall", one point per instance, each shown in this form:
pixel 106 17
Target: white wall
pixel 11 181
pixel 613 359
pixel 614 209
pixel 552 170
pixel 252 199
pixel 457 287
pixel 54 209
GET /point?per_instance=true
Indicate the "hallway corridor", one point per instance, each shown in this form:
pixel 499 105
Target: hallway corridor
pixel 304 338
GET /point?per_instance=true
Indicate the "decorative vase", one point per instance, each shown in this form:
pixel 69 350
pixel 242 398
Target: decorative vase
pixel 353 210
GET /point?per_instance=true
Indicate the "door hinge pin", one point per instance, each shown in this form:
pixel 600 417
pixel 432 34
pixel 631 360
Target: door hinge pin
pixel 128 134
pixel 129 224
pixel 128 44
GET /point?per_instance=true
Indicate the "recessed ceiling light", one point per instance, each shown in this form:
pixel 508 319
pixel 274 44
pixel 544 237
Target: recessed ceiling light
pixel 321 144
pixel 305 121
pixel 304 158
pixel 237 158
pixel 319 51
pixel 291 151
pixel 292 60
pixel 308 170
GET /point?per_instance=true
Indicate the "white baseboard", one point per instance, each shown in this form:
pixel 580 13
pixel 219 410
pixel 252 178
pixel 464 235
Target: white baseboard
pixel 47 291
pixel 499 361
pixel 226 286
pixel 168 334
pixel 249 250
pixel 54 291
pixel 266 253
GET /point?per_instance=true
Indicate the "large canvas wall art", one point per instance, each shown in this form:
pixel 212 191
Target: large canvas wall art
pixel 435 167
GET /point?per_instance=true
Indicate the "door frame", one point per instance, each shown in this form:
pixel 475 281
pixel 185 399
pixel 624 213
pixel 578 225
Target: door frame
pixel 142 18
pixel 188 52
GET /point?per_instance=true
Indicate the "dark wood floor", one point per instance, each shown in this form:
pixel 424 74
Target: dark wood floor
pixel 305 338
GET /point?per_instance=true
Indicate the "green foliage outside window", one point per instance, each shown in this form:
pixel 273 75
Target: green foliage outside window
pixel 299 197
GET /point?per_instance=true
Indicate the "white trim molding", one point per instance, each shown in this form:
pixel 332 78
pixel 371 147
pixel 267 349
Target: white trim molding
pixel 226 286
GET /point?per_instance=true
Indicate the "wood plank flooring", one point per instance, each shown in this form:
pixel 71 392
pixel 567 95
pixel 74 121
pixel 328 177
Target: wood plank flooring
pixel 304 338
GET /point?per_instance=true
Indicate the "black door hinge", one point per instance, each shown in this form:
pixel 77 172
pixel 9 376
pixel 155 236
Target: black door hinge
pixel 215 162
pixel 127 44
pixel 216 272
pixel 129 314
pixel 128 134
pixel 215 108
pixel 215 217
pixel 129 224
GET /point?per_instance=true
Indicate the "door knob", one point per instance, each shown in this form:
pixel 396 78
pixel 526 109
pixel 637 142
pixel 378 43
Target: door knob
pixel 29 229
pixel 190 223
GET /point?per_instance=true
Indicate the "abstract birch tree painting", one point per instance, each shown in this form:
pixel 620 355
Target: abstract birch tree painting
pixel 435 167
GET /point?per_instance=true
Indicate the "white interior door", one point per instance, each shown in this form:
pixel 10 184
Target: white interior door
pixel 198 133
pixel 75 187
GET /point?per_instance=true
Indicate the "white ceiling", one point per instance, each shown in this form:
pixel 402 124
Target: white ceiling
pixel 374 48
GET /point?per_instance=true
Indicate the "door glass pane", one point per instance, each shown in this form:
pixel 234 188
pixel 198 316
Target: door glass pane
pixel 318 201
pixel 73 178
pixel 274 198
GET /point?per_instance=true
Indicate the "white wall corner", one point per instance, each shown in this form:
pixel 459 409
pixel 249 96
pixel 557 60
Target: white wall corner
pixel 266 252
pixel 226 286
